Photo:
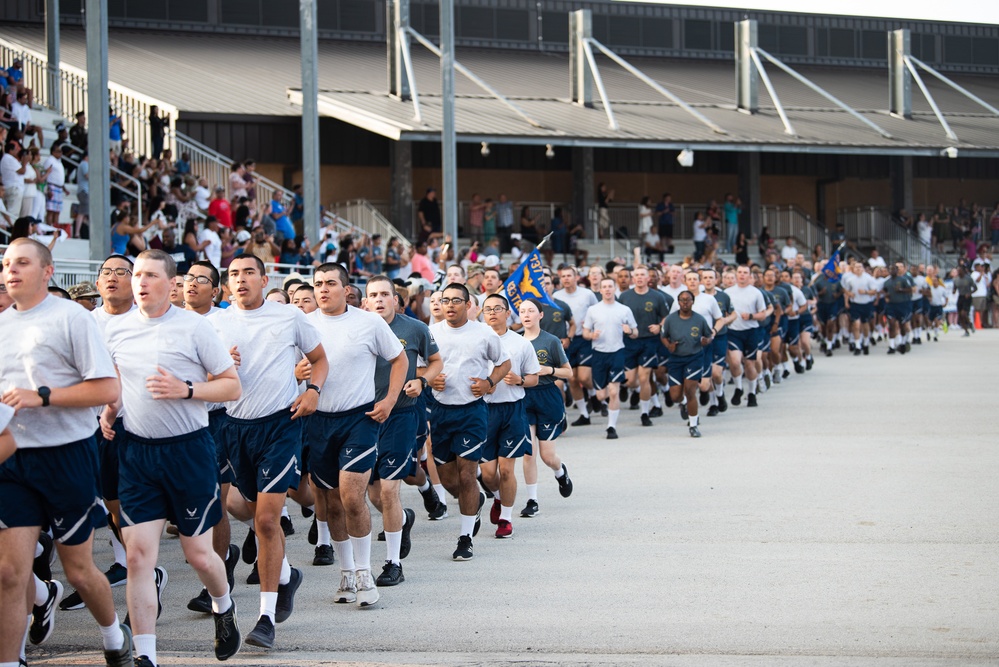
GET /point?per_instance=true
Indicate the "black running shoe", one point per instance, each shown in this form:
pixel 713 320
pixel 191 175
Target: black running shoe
pixel 684 415
pixel 634 401
pixel 593 405
pixel 391 575
pixel 751 401
pixel 286 596
pixel 656 412
pixel 856 352
pixel 250 548
pixel 786 374
pixel 72 602
pixel 478 514
pixel 122 657
pixel 828 353
pixel 722 403
pixel 227 637
pixel 253 579
pixel 381 537
pixel 407 527
pixel 622 393
pixel 306 512
pixel 324 555
pixel 43 562
pixel 603 409
pixel 866 350
pixel 798 368
pixel 694 433
pixel 809 363
pixel 464 550
pixel 891 350
pixel 231 560
pixel 430 499
pixel 901 349
pixel 143 661
pixel 202 603
pixel 737 397
pixel 581 421
pixel 713 411
pixel 439 513
pixel 287 526
pixel 116 575
pixel 43 615
pixel 314 531
pixel 703 398
pixel 667 399
pixel 531 509
pixel 564 485
pixel 611 433
pixel 262 634
pixel 646 420
pixel 766 381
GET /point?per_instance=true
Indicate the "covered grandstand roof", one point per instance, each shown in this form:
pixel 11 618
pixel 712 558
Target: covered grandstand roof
pixel 250 75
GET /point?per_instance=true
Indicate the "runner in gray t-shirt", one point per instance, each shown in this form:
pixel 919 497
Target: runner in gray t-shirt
pixel 686 334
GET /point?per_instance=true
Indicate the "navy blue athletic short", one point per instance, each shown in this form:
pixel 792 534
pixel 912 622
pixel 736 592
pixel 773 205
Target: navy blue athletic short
pixel 793 331
pixel 900 312
pixel 607 367
pixel 107 451
pixel 642 352
pixel 719 350
pixel 745 341
pixel 341 441
pixel 458 431
pixel 690 367
pixel 580 351
pixel 807 322
pixel 782 327
pixel 829 311
pixel 509 434
pixel 936 312
pixel 170 478
pixel 264 453
pixel 53 486
pixel 396 444
pixel 216 420
pixel 861 311
pixel 545 410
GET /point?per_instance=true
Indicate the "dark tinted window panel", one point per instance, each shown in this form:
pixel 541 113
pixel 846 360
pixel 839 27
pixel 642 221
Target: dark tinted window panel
pixel 280 15
pixel 358 15
pixel 986 51
pixel 240 12
pixel 555 27
pixel 189 10
pixel 924 47
pixel 625 31
pixel 697 34
pixel 822 42
pixel 793 40
pixel 327 14
pixel 144 9
pixel 841 44
pixel 657 33
pixel 601 29
pixel 116 9
pixel 958 50
pixel 475 22
pixel 767 35
pixel 70 8
pixel 726 37
pixel 874 44
pixel 512 24
pixel 430 20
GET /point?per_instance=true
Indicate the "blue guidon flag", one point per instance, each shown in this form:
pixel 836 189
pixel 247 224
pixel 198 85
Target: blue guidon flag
pixel 525 282
pixel 832 268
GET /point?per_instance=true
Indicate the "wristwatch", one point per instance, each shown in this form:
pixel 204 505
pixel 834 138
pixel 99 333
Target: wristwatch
pixel 45 393
pixel 490 381
pixel 423 381
pixel 312 387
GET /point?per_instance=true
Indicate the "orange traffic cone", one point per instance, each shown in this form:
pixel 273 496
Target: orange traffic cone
pixel 978 320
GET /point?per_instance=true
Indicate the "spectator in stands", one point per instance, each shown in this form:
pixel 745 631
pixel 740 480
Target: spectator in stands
pixel 250 177
pixel 665 210
pixel 429 215
pixel 420 262
pixel 183 165
pixel 127 234
pixel 789 251
pixel 157 130
pixel 211 241
pixel 994 226
pixel 653 245
pixel 700 234
pixel 6 218
pixel 243 217
pixel 764 241
pixel 941 227
pixel 33 201
pixel 297 205
pixel 731 210
pixel 741 250
pixel 13 166
pixel 393 258
pixel 202 195
pixel 605 197
pixel 15 77
pixel 476 216
pixel 115 131
pixel 82 195
pixel 78 133
pixel 220 208
pixel 237 184
pixel 194 244
pixel 644 217
pixel 876 260
pixel 488 219
pixel 377 255
pixel 21 110
pixel 54 175
pixel 262 246
pixel 283 229
pixel 529 226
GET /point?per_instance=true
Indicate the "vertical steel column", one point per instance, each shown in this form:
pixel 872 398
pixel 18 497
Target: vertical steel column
pixel 98 139
pixel 749 191
pixel 53 96
pixel 747 88
pixel 583 191
pixel 396 21
pixel 401 214
pixel 580 76
pixel 449 158
pixel 899 78
pixel 310 119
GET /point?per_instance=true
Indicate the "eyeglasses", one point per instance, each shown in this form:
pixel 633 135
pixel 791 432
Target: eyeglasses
pixel 121 273
pixel 201 280
pixel 447 300
pixel 497 309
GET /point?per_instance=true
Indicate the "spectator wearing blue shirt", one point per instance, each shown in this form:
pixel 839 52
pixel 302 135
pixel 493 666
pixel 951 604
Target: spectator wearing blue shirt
pixel 374 264
pixel 283 229
pixel 183 165
pixel 298 204
pixel 664 213
pixel 731 210
pixel 115 132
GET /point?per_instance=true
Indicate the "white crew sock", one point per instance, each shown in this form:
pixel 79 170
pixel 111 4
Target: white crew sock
pixel 119 550
pixel 223 604
pixel 426 485
pixel 532 491
pixel 719 390
pixel 24 638
pixel 612 418
pixel 645 406
pixel 284 512
pixel 345 554
pixel 656 403
pixel 38 549
pixel 285 575
pixel 581 406
pixel 268 605
pixel 112 636
pixel 146 645
pixel 738 382
pixel 506 513
pixel 693 420
pixel 441 493
pixel 41 592
pixel 393 545
pixel 362 551
pixel 467 524
pixel 322 533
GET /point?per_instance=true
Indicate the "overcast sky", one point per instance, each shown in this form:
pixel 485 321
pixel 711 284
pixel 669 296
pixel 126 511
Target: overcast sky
pixel 966 11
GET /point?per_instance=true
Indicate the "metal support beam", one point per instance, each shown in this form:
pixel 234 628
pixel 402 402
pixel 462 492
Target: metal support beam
pixel 788 128
pixel 583 192
pixel 749 193
pixel 642 76
pixel 449 158
pixel 899 81
pixel 747 90
pixel 310 119
pixel 401 202
pixel 398 48
pixel 599 82
pixel 53 97
pixel 98 143
pixel 929 98
pixel 580 78
pixel 900 170
pixel 821 91
pixel 964 91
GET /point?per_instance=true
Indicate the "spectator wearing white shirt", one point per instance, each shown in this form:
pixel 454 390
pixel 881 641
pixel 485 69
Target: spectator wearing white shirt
pixel 700 235
pixel 876 260
pixel 54 175
pixel 789 252
pixel 21 111
pixel 13 166
pixel 202 195
pixel 210 234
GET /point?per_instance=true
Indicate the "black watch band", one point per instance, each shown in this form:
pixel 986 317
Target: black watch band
pixel 44 393
pixel 490 381
pixel 424 382
pixel 313 387
pixel 190 389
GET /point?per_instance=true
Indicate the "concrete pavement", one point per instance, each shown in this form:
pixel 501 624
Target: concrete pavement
pixel 852 518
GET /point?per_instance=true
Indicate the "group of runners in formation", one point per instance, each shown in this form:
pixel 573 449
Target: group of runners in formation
pixel 338 399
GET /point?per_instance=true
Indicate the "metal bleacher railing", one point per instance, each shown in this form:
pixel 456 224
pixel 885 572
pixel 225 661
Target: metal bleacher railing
pixel 873 226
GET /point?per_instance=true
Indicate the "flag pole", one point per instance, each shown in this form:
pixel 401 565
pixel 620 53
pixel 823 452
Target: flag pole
pixel 544 240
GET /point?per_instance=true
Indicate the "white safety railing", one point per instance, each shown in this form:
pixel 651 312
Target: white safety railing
pixel 367 218
pixel 784 221
pixel 69 272
pixel 874 226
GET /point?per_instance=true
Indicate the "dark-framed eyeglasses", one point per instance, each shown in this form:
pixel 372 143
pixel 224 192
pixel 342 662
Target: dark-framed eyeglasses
pixel 121 273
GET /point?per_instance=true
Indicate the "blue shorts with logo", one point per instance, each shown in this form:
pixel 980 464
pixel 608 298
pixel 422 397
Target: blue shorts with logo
pixel 765 333
pixel 719 350
pixel 793 331
pixel 509 434
pixel 745 341
pixel 917 306
pixel 924 304
pixel 901 312
pixel 807 322
pixel 458 431
pixel 396 444
pixel 935 312
pixel 216 420
pixel 264 453
pixel 642 352
pixel 861 311
pixel 782 327
pixel 55 487
pixel 829 311
pixel 107 451
pixel 545 410
pixel 690 367
pixel 341 441
pixel 607 367
pixel 170 478
pixel 580 351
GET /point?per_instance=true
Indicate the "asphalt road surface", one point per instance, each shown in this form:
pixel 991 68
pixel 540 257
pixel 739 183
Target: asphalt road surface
pixel 853 518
